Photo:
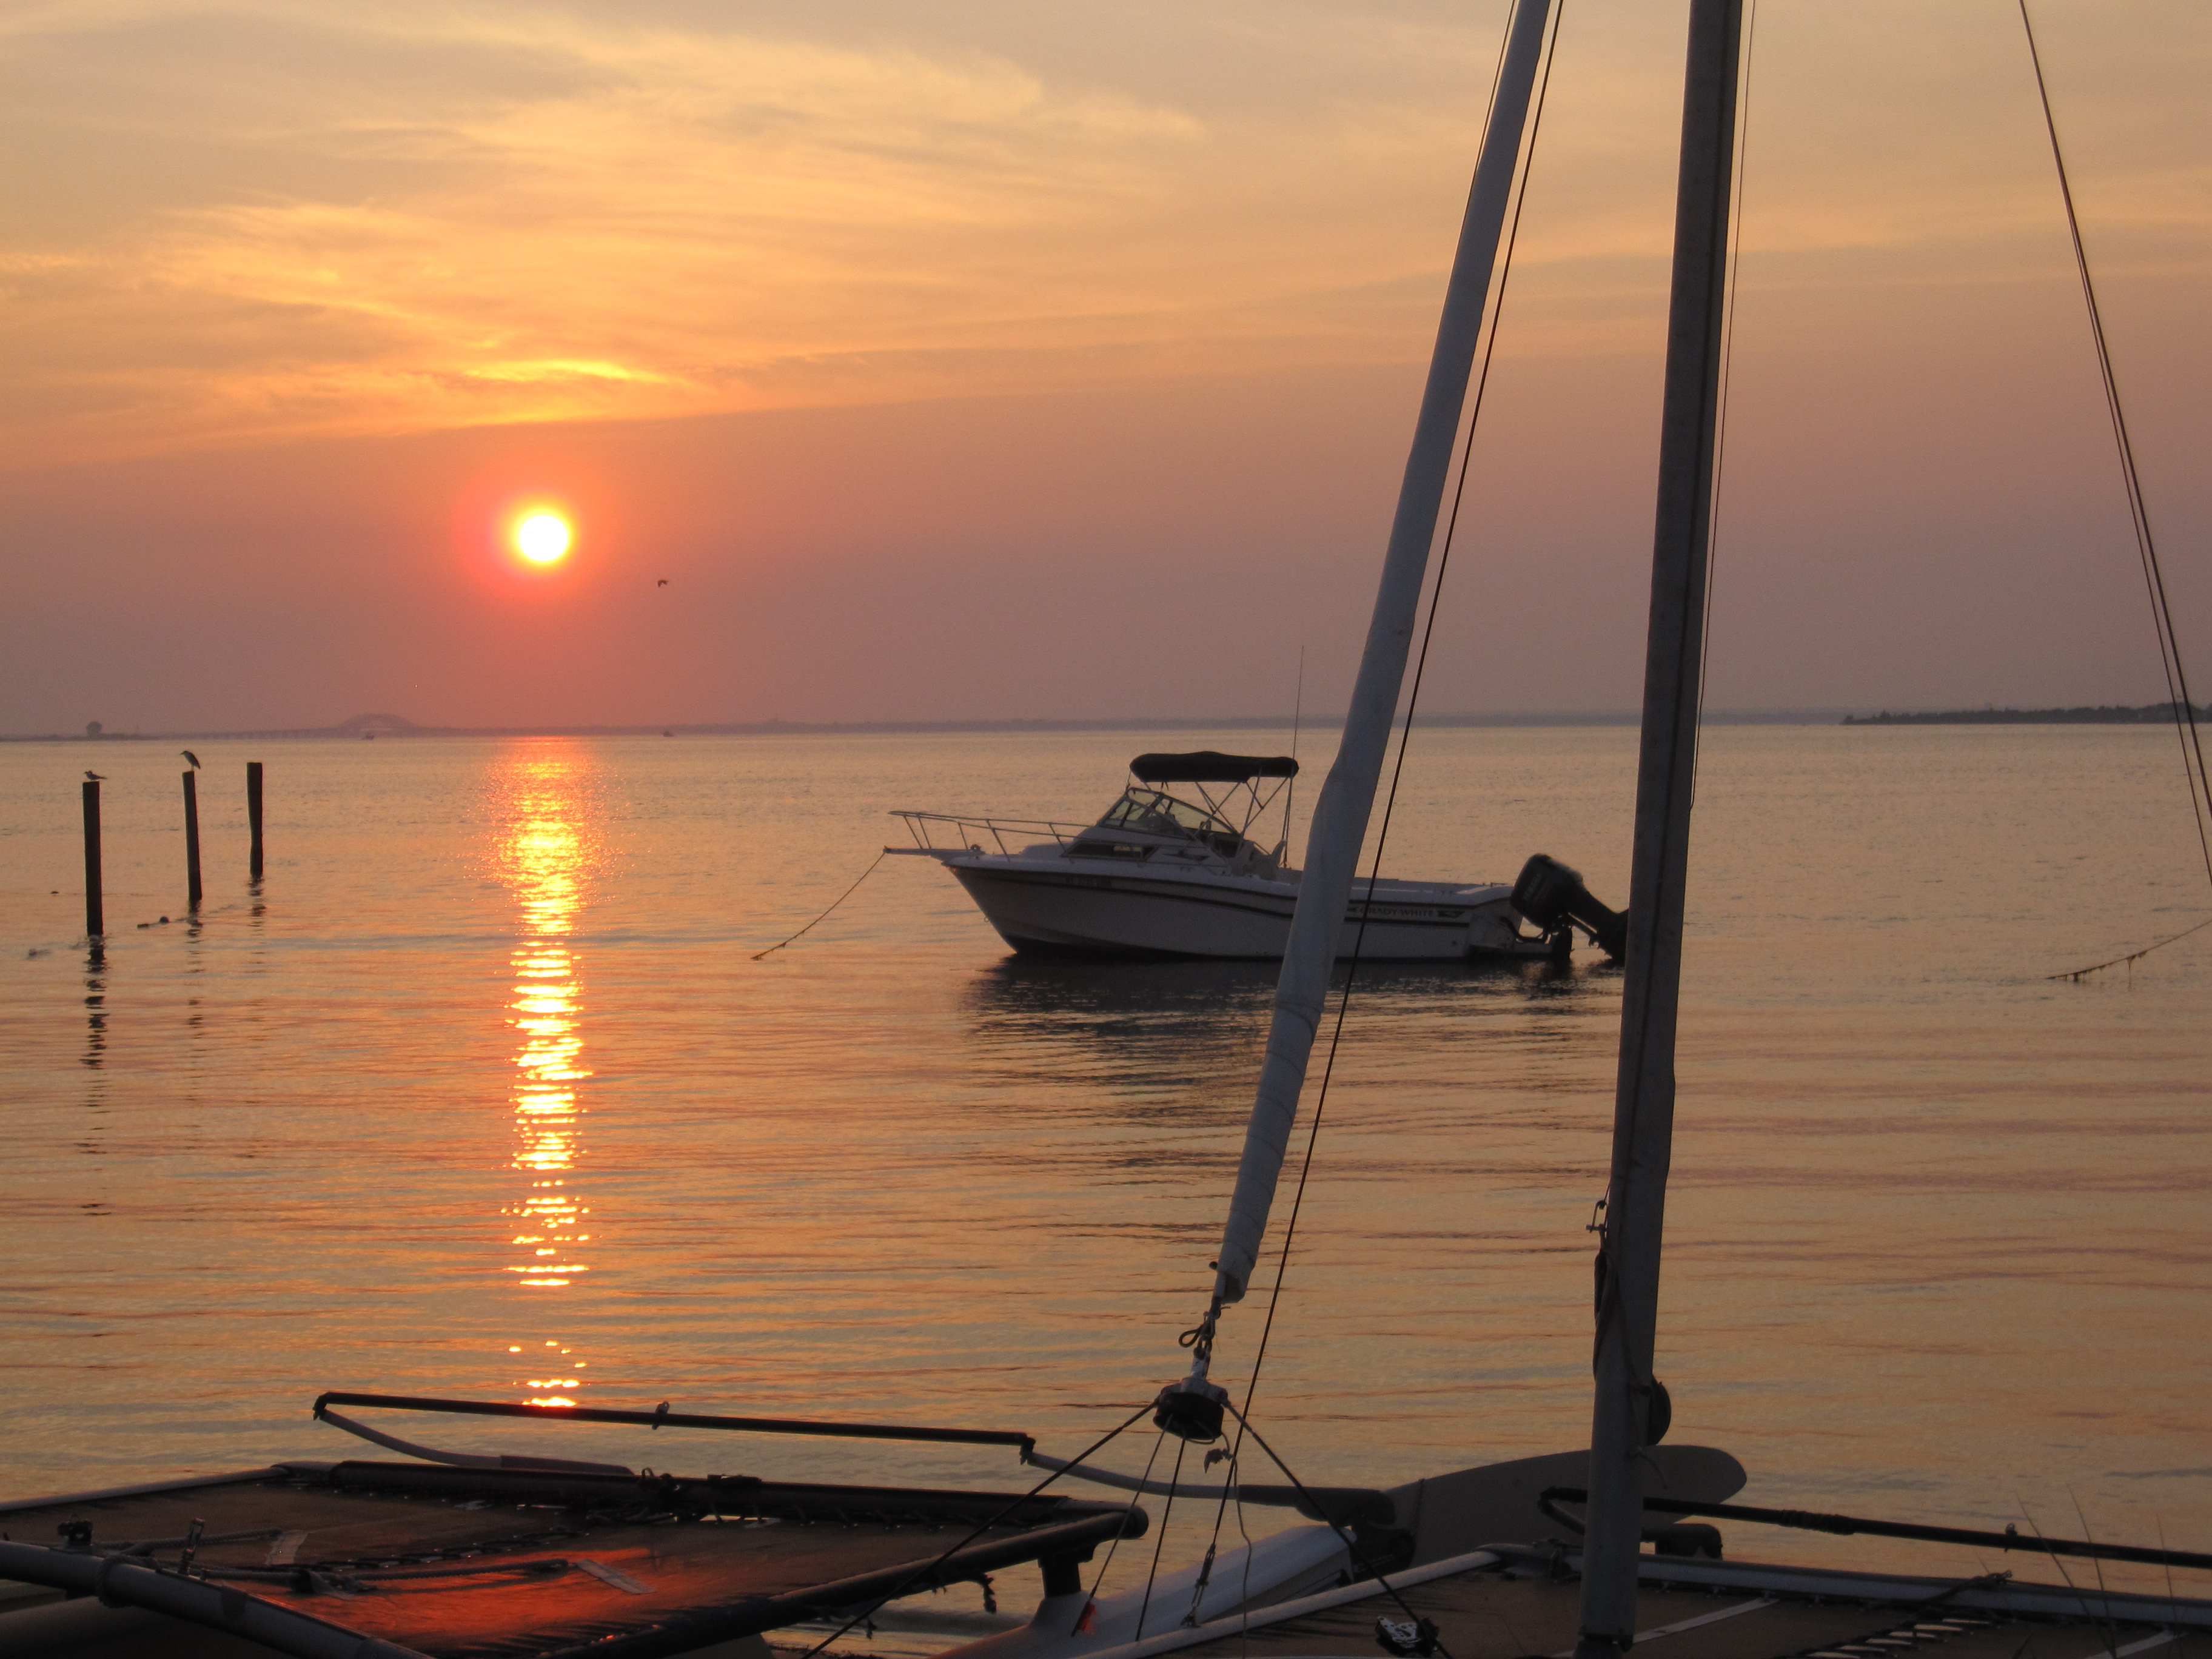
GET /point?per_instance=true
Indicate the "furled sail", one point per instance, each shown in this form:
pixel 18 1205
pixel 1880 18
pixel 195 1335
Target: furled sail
pixel 1339 820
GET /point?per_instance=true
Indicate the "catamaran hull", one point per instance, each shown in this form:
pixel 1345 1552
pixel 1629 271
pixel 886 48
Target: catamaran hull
pixel 1057 911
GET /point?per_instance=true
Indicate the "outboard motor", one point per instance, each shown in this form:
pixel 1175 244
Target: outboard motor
pixel 1550 895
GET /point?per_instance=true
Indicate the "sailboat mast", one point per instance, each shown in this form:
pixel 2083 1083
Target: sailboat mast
pixel 1340 819
pixel 1631 1408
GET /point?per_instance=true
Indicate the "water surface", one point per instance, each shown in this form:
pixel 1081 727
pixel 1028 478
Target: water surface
pixel 481 1093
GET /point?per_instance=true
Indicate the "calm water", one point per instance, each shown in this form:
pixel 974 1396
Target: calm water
pixel 480 1094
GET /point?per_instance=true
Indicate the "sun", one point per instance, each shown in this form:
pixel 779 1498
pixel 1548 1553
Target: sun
pixel 543 537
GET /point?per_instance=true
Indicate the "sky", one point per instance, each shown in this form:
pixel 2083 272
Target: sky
pixel 987 360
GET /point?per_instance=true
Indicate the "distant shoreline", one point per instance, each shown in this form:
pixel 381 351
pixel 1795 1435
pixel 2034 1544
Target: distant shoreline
pixel 393 726
pixel 2150 714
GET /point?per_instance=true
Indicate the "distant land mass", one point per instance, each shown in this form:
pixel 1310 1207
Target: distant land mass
pixel 2151 713
pixel 397 725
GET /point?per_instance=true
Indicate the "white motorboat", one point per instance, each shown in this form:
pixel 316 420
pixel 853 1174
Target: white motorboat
pixel 1159 875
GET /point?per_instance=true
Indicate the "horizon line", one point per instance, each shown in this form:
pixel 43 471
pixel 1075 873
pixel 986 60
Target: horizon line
pixel 394 725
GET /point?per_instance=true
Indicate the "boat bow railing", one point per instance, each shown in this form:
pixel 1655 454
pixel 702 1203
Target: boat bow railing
pixel 945 832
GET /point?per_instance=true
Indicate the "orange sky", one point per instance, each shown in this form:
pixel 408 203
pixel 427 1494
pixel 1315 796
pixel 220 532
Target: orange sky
pixel 995 360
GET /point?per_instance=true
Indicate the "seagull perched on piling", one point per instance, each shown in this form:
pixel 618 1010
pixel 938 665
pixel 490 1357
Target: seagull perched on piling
pixel 95 777
pixel 190 757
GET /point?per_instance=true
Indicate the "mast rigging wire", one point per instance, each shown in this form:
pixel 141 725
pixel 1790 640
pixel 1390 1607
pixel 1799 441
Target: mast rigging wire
pixel 920 1574
pixel 1297 719
pixel 1351 1543
pixel 1090 1601
pixel 1390 802
pixel 2169 644
pixel 1727 360
pixel 1152 1573
pixel 1382 834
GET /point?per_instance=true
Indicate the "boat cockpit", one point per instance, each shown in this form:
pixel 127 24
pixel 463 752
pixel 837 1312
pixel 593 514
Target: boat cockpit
pixel 1147 822
pixel 1149 813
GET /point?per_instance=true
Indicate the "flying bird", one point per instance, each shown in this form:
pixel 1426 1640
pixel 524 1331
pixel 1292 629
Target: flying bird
pixel 95 777
pixel 190 757
pixel 663 582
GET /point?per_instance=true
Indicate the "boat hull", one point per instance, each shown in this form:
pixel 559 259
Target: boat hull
pixel 1045 907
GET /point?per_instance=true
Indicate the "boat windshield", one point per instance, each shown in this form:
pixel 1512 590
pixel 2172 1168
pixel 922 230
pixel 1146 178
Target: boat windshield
pixel 1153 813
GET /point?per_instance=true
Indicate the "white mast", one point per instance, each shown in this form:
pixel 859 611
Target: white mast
pixel 1340 819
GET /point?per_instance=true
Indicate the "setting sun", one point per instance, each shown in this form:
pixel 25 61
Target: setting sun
pixel 542 537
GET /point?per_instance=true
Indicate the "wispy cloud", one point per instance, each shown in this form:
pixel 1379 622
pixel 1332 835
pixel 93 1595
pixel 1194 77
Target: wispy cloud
pixel 278 218
pixel 397 223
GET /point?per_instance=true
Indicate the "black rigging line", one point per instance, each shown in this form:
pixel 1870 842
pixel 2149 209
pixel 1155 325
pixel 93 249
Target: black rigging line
pixel 1413 700
pixel 1728 361
pixel 1152 1573
pixel 2169 643
pixel 921 1575
pixel 1090 1601
pixel 1351 1543
pixel 1291 788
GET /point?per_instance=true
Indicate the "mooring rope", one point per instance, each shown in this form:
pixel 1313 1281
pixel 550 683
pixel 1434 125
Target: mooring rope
pixel 840 898
pixel 2169 642
pixel 2133 956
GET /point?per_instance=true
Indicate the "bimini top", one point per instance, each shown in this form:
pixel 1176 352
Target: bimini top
pixel 1210 766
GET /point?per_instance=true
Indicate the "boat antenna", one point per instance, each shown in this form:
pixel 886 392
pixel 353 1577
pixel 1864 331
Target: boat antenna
pixel 1631 1409
pixel 1194 1406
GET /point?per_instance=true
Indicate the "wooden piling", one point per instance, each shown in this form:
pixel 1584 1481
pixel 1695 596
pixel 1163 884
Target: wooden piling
pixel 95 915
pixel 254 814
pixel 192 840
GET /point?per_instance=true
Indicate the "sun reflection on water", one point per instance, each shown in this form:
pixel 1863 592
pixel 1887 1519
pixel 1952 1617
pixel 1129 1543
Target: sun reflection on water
pixel 548 853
